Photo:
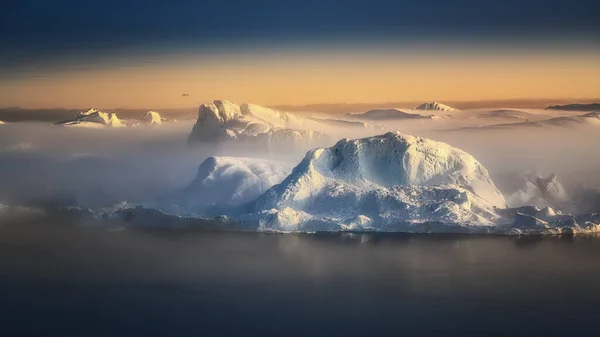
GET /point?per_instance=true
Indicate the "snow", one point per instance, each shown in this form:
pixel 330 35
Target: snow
pixel 93 118
pixel 229 181
pixel 249 123
pixel 435 106
pixel 379 114
pixel 152 118
pixel 381 182
pixel 531 220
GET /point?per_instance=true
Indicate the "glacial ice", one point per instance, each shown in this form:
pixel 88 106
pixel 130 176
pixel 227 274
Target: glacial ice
pixel 94 119
pixel 254 125
pixel 386 182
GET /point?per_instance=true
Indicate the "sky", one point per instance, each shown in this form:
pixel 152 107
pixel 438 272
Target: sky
pixel 135 54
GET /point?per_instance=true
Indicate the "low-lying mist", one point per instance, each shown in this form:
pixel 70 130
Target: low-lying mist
pixel 43 164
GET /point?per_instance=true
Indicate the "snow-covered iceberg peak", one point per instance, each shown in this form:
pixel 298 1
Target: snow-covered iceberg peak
pixel 218 112
pixel 152 118
pixel 434 106
pixel 392 177
pixel 395 159
pixel 88 112
pixel 94 118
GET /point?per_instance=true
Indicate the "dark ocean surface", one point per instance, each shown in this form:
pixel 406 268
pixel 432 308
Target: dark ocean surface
pixel 68 281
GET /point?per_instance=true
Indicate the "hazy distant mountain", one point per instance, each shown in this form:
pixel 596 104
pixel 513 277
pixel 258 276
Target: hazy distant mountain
pixel 435 106
pixel 341 123
pixel 591 119
pixel 379 114
pixel 16 114
pixel 509 114
pixel 576 107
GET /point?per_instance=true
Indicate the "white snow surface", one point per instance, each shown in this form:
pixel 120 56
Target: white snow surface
pixel 225 120
pixel 94 118
pixel 386 182
pixel 435 106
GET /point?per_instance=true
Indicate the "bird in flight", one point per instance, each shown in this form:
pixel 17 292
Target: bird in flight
pixel 185 95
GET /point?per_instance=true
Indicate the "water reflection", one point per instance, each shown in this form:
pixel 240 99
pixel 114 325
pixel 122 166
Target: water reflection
pixel 187 282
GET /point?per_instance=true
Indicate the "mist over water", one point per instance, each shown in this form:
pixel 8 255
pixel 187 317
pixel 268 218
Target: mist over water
pixel 97 167
pixel 40 163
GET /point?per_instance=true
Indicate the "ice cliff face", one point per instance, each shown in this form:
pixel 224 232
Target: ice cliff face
pixel 382 182
pixel 224 120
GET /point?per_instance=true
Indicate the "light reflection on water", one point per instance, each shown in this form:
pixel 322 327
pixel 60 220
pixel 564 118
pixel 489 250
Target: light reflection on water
pixel 65 280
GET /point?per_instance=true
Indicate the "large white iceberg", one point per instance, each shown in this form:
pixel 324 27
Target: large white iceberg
pixel 387 182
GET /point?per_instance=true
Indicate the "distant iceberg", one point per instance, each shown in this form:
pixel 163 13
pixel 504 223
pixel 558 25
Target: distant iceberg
pixel 435 106
pixel 388 114
pixel 256 126
pixel 93 118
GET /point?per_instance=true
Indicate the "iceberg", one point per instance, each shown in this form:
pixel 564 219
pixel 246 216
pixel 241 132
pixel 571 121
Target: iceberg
pixel 254 125
pixel 388 114
pixel 435 106
pixel 388 182
pixel 94 119
pixel 222 183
